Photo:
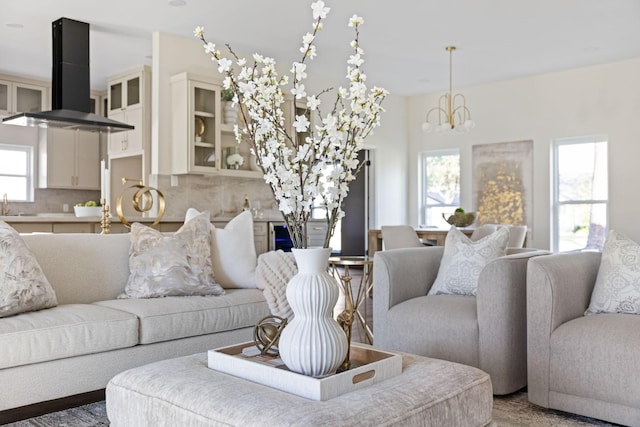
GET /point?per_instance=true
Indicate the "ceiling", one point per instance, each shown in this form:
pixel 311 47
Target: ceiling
pixel 404 40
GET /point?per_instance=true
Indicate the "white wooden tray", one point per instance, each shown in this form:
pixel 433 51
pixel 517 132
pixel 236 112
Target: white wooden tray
pixel 368 366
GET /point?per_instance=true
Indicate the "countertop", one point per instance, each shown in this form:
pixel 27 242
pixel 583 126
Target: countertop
pixel 71 218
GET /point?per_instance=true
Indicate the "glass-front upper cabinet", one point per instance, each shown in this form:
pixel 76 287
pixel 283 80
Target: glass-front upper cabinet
pixel 16 97
pixel 125 93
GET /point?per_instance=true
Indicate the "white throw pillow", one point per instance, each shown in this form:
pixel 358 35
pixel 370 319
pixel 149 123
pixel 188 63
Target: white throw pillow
pixel 617 288
pixel 233 251
pixel 23 285
pixel 171 264
pixel 463 260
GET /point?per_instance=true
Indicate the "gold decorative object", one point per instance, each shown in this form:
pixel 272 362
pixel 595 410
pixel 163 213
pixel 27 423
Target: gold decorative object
pixel 354 300
pixel 105 222
pixel 452 111
pixel 142 200
pixel 200 127
pixel 267 333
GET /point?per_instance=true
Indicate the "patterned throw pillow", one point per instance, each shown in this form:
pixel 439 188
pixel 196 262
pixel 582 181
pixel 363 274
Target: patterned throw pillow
pixel 171 264
pixel 617 288
pixel 23 286
pixel 463 260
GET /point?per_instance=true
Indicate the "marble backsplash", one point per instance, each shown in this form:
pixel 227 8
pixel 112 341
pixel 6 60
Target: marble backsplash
pixel 221 195
pixel 53 201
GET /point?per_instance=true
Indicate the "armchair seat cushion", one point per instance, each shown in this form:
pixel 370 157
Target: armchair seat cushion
pixel 595 357
pixel 438 333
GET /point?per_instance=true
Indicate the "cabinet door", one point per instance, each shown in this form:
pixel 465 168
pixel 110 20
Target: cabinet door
pixel 87 170
pixel 133 92
pixel 134 137
pixel 60 158
pixel 115 97
pixel 5 98
pixel 29 98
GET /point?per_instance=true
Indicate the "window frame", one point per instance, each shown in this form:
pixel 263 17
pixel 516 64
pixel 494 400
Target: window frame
pixel 29 151
pixel 423 185
pixel 556 204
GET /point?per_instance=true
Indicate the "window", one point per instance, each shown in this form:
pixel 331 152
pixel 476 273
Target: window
pixel 440 185
pixel 580 194
pixel 16 171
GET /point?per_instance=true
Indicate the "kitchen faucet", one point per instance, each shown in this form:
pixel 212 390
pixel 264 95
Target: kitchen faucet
pixel 5 205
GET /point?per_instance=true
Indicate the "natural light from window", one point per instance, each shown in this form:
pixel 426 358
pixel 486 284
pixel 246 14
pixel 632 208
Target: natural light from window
pixel 16 172
pixel 580 194
pixel 440 186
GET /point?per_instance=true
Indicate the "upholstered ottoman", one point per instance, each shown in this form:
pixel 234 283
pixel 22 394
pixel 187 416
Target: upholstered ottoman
pixel 185 392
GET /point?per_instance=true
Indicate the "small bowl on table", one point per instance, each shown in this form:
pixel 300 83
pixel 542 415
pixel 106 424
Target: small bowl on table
pixel 460 219
pixel 87 211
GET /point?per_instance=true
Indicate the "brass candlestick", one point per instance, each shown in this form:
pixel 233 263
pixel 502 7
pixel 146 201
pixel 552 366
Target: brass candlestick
pixel 105 221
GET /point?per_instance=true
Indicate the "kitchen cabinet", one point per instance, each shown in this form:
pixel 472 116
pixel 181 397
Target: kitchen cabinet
pixel 129 101
pixel 18 97
pixel 69 159
pixel 201 140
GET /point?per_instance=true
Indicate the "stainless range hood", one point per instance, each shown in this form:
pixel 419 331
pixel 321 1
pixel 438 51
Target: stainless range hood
pixel 70 98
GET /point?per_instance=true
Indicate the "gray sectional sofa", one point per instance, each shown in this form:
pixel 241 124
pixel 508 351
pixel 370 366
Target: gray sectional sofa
pixel 91 335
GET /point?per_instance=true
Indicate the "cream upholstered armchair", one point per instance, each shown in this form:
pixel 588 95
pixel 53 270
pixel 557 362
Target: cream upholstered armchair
pixel 487 331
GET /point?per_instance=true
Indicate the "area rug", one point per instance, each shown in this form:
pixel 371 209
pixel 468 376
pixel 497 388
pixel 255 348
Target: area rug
pixel 509 411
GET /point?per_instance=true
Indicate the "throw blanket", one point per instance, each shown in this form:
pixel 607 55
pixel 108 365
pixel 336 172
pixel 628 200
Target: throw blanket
pixel 274 270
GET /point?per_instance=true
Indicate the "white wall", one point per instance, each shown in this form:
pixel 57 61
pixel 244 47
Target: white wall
pixel 597 100
pixel 172 55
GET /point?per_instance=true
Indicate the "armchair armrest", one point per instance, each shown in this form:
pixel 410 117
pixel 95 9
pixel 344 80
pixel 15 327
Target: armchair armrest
pixel 399 275
pixel 502 320
pixel 559 289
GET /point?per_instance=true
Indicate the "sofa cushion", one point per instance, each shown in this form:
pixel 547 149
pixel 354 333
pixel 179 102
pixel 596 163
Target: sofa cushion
pixel 463 260
pixel 171 264
pixel 163 319
pixel 617 288
pixel 64 331
pixel 233 251
pixel 595 357
pixel 23 285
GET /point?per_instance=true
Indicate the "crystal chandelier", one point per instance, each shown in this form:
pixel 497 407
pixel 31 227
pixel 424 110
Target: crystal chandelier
pixel 452 112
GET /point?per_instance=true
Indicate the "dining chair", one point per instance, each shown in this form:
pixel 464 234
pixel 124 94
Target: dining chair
pixel 400 236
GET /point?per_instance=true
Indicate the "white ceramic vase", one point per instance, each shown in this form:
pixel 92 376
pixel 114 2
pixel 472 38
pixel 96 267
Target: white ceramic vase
pixel 313 343
pixel 230 113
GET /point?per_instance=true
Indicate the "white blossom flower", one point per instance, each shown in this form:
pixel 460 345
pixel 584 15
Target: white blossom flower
pixel 224 65
pixel 355 20
pixel 301 124
pixel 319 11
pixel 294 167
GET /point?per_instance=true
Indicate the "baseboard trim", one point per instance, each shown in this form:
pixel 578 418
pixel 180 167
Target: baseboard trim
pixel 41 408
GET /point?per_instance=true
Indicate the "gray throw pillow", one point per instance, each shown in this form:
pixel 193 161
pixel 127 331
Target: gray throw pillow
pixel 464 259
pixel 171 264
pixel 617 288
pixel 23 285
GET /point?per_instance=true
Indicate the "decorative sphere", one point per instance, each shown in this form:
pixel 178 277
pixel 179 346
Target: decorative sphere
pixel 267 333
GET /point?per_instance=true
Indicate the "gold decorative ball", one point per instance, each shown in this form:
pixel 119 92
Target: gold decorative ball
pixel 267 333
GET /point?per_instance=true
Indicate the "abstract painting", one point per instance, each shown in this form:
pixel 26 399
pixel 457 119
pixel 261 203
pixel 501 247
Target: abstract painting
pixel 503 183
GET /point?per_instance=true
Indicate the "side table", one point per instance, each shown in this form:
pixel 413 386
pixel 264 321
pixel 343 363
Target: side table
pixel 357 295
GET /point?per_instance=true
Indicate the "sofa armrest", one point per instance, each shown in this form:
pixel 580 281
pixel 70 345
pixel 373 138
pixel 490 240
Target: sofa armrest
pixel 559 289
pixel 400 275
pixel 502 321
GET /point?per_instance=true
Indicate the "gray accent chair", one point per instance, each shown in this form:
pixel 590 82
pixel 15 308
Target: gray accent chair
pixel 487 331
pixel 587 365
